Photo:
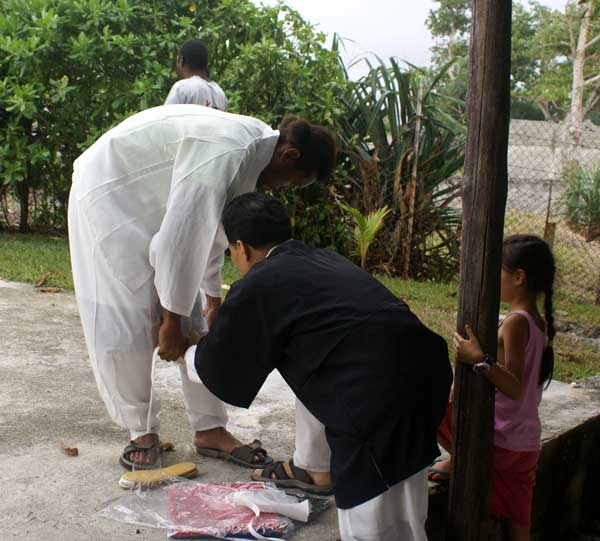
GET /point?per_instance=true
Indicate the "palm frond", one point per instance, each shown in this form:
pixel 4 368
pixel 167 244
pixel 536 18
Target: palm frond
pixel 378 134
pixel 365 229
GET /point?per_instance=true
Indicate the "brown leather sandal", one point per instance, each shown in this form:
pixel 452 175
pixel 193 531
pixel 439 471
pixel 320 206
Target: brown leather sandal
pixel 153 449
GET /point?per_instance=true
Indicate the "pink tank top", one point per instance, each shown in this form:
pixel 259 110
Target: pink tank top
pixel 517 424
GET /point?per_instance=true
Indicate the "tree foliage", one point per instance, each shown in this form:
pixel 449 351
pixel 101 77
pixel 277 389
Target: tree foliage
pixel 557 43
pixel 71 69
pixel 544 46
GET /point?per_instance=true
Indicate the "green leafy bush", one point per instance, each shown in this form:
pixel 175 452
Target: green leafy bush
pixel 71 69
pixel 317 219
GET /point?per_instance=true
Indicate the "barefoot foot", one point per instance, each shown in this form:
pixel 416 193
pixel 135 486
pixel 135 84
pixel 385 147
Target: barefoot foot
pixel 221 439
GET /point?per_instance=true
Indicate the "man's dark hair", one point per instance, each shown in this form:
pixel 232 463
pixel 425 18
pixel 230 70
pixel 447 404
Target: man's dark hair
pixel 316 145
pixel 256 219
pixel 194 54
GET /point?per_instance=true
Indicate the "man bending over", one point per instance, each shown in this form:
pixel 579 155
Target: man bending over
pixel 370 379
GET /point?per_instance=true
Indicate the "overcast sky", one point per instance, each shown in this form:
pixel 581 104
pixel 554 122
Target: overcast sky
pixel 385 27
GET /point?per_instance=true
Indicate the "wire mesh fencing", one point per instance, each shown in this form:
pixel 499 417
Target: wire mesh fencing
pixel 551 194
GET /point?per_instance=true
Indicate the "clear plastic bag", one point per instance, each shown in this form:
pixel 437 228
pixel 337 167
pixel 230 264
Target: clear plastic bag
pixel 193 510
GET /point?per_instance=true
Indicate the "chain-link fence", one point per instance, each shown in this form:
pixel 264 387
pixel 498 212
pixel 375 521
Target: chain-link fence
pixel 553 192
pixel 546 199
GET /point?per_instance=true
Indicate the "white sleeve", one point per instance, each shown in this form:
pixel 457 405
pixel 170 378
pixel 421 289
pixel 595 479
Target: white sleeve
pixel 173 98
pixel 183 247
pixel 211 284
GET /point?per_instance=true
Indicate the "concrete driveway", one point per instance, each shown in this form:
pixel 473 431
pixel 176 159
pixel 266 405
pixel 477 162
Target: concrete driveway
pixel 48 394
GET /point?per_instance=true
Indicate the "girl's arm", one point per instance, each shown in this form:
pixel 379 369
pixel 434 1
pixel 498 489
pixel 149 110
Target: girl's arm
pixel 507 377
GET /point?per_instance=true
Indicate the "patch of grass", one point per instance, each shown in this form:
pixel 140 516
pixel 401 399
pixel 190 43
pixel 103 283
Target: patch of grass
pixel 435 304
pixel 25 258
pixel 571 309
pixel 574 359
pixel 229 273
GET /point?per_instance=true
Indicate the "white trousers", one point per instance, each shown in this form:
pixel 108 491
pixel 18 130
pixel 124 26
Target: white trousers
pixel 399 514
pixel 312 450
pixel 121 332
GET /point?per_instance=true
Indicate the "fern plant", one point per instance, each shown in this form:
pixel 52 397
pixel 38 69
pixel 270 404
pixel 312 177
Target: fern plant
pixel 365 229
pixel 581 201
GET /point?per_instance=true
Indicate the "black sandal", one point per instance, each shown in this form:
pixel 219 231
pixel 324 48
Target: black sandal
pixel 245 455
pixel 134 447
pixel 300 479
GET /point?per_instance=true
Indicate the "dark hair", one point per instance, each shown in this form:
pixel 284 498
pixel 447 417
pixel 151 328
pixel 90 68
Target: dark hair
pixel 316 145
pixel 257 220
pixel 194 54
pixel 534 256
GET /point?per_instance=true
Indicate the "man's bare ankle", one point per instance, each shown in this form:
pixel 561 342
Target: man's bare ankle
pixel 219 430
pixel 146 438
pixel 320 478
pixel 216 437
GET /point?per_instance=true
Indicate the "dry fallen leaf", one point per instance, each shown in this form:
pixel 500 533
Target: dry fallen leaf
pixel 71 451
pixel 50 289
pixel 167 446
pixel 43 279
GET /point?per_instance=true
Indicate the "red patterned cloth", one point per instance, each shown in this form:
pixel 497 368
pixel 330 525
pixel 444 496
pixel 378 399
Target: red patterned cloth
pixel 206 509
pixel 513 481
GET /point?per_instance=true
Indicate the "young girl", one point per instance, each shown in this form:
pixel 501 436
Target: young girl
pixel 525 361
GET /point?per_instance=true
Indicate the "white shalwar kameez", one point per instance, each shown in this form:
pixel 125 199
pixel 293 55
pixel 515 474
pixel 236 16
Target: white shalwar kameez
pixel 144 231
pixel 198 91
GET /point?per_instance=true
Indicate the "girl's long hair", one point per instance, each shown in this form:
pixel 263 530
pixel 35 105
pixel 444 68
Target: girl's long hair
pixel 534 256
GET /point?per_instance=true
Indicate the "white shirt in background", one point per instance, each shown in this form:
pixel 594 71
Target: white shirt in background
pixel 198 91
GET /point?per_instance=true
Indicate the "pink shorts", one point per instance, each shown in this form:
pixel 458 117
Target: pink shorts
pixel 513 481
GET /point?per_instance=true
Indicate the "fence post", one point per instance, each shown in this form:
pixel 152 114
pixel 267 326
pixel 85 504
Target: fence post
pixel 550 232
pixel 484 202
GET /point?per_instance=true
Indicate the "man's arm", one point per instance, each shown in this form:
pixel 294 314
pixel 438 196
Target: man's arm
pixel 172 343
pixel 211 309
pixel 180 250
pixel 242 347
pixel 211 283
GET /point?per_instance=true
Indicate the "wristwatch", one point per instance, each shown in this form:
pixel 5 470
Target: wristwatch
pixel 483 367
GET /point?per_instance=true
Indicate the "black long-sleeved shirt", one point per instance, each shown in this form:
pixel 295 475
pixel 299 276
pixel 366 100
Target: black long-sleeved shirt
pixel 354 354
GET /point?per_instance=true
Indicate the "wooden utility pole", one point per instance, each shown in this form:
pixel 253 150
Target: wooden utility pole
pixel 484 200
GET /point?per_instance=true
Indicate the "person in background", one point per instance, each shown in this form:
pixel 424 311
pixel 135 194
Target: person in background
pixel 524 363
pixel 195 85
pixel 371 380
